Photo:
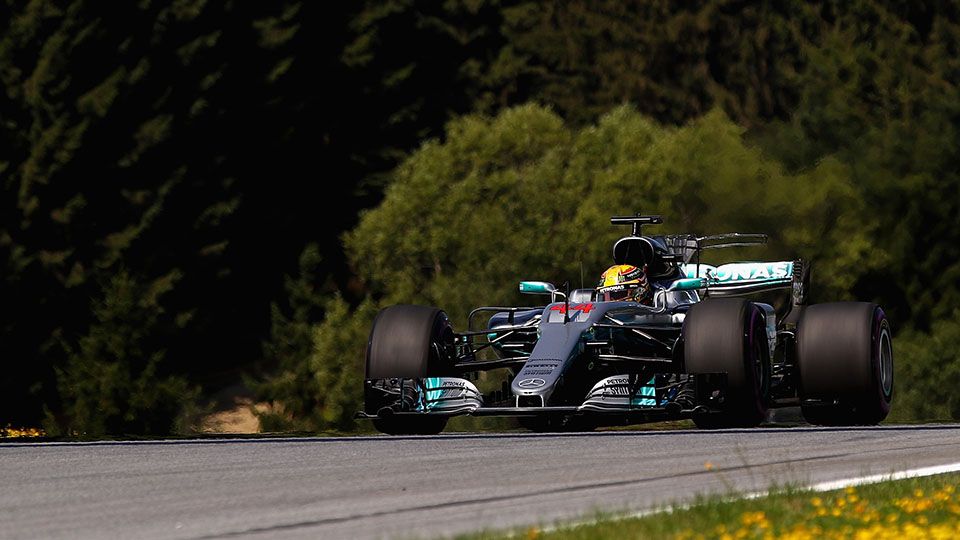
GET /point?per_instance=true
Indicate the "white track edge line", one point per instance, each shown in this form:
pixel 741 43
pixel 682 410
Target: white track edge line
pixel 874 478
pixel 819 487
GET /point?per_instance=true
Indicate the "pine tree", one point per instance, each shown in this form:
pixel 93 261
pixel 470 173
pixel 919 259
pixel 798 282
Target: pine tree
pixel 115 381
pixel 291 386
pixel 125 144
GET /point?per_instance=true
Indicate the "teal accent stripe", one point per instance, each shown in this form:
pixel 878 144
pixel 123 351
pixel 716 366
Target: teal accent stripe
pixel 432 382
pixel 648 393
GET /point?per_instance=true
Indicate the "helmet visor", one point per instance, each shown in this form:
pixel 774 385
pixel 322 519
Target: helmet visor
pixel 616 293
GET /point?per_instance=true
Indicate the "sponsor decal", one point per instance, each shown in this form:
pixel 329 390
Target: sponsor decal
pixel 534 367
pixel 537 364
pixel 440 388
pixel 752 271
pixel 742 271
pixel 531 383
pixel 618 389
pixel 583 308
pixel 692 270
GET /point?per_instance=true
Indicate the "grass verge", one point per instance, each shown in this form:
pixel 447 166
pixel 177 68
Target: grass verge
pixel 926 507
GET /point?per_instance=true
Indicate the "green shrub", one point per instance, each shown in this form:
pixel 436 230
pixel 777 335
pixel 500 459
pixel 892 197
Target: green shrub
pixel 115 382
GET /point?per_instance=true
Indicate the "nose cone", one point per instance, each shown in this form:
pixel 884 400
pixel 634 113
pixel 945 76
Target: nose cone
pixel 537 379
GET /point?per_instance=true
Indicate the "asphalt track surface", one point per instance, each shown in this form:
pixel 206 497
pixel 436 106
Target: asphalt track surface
pixel 419 487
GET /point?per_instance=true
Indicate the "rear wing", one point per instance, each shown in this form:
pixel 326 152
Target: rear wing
pixel 736 279
pixel 687 247
pixel 743 278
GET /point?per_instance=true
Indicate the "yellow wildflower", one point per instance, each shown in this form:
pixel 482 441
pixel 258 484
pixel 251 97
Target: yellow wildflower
pixel 13 432
pixel 941 532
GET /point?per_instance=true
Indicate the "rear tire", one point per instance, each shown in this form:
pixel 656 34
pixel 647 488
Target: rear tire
pixel 728 335
pixel 845 355
pixel 407 343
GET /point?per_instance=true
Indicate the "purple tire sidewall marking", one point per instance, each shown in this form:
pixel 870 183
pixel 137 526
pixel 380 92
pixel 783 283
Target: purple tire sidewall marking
pixel 878 318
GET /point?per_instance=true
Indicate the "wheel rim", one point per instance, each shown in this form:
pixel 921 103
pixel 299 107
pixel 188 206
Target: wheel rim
pixel 757 342
pixel 885 354
pixel 758 365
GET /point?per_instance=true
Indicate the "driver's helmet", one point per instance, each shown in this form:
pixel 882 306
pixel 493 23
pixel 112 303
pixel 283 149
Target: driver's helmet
pixel 623 282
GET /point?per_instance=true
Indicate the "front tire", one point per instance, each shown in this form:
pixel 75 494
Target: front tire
pixel 728 335
pixel 407 344
pixel 845 355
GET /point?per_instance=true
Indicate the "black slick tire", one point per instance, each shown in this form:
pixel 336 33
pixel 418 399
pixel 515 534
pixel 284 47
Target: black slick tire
pixel 407 343
pixel 845 356
pixel 728 335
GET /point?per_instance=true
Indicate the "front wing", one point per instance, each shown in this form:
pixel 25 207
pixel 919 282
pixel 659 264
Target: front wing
pixel 616 397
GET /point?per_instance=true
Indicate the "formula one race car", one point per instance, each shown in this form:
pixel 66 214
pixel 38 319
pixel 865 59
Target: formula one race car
pixel 695 349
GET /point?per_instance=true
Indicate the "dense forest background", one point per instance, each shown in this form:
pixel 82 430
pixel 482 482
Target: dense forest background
pixel 199 195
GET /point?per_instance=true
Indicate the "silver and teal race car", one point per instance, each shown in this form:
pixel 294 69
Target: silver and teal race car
pixel 697 349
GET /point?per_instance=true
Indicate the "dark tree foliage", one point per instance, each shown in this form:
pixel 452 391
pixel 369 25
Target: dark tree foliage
pixel 414 65
pixel 116 381
pixel 204 143
pixel 672 60
pixel 116 124
pixel 292 383
pixel 137 136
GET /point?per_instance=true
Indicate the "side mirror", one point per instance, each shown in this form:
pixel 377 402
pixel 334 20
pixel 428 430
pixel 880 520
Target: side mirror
pixel 688 284
pixel 540 287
